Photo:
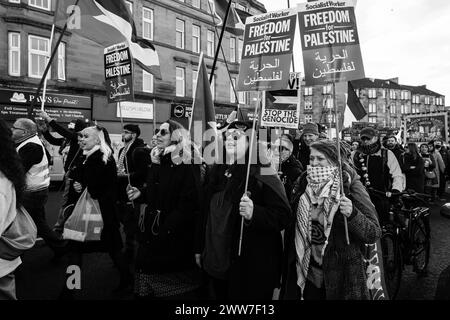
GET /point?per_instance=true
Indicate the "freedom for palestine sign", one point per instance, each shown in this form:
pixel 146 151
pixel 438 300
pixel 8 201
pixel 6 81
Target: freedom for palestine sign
pixel 118 73
pixel 267 51
pixel 330 42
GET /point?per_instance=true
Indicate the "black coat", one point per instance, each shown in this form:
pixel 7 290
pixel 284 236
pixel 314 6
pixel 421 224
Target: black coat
pixel 101 182
pixel 291 169
pixel 138 159
pixel 303 153
pixel 167 244
pixel 446 158
pixel 71 135
pixel 414 172
pixel 256 272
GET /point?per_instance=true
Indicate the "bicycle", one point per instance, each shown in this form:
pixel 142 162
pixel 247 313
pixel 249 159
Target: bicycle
pixel 405 237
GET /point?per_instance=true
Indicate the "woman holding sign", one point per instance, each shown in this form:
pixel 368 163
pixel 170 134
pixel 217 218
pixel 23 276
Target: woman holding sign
pixel 254 271
pixel 319 263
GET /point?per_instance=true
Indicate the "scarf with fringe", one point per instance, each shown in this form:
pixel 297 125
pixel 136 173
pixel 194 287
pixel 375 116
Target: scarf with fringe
pixel 323 190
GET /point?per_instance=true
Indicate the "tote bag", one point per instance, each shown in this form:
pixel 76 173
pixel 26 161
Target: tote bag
pixel 19 236
pixel 85 223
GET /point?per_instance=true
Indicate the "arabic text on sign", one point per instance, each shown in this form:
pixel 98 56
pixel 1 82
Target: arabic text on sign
pixel 276 76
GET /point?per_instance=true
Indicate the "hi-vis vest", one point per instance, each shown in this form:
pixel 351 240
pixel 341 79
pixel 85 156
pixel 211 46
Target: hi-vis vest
pixel 38 177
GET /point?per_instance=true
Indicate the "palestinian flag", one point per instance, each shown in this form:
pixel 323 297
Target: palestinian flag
pixel 107 22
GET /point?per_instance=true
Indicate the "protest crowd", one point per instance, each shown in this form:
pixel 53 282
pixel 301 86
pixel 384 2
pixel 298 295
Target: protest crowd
pixel 178 227
pixel 255 213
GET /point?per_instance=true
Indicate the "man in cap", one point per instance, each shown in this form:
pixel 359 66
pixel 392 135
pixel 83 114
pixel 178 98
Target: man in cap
pixel 309 135
pixel 133 160
pixel 379 169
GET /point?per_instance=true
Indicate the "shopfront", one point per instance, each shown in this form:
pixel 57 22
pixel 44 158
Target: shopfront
pixel 62 107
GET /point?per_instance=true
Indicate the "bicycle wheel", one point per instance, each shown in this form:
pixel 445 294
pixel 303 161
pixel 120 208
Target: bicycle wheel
pixel 392 261
pixel 420 244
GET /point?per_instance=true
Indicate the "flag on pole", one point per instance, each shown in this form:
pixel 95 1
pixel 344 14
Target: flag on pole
pixel 107 22
pixel 234 22
pixel 348 118
pixel 203 116
pixel 354 104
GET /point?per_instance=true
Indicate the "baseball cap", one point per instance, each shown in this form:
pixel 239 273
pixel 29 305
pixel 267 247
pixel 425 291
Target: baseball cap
pixel 368 132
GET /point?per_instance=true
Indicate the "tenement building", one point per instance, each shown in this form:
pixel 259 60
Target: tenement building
pixel 179 29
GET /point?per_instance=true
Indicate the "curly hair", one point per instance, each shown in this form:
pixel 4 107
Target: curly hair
pixel 10 162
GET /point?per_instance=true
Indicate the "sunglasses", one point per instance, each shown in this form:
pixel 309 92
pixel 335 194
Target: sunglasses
pixel 365 138
pixel 16 128
pixel 162 132
pixel 234 134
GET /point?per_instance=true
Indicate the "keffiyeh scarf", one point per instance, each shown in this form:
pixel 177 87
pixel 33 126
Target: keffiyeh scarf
pixel 323 190
pixel 121 163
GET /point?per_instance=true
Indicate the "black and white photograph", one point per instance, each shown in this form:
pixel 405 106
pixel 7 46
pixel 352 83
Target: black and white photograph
pixel 224 158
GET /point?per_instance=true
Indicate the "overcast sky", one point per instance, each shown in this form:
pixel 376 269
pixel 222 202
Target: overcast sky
pixel 405 39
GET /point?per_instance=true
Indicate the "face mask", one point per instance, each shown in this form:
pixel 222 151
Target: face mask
pixel 370 149
pixel 320 174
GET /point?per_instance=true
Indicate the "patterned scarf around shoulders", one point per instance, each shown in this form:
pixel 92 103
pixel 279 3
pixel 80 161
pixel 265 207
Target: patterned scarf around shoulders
pixel 324 190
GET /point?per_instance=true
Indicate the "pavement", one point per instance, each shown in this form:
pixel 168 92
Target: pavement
pixel 39 278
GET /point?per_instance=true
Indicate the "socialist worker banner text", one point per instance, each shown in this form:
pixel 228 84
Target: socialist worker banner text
pixel 330 42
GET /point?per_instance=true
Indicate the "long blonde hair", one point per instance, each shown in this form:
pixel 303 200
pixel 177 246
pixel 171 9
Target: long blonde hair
pixel 105 148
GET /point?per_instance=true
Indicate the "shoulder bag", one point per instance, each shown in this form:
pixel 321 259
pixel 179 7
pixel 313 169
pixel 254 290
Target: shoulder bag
pixel 19 236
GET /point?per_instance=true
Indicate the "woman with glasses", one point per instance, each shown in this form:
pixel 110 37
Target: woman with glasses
pixel 12 185
pixel 251 268
pixel 319 263
pixel 165 264
pixel 98 173
pixel 288 167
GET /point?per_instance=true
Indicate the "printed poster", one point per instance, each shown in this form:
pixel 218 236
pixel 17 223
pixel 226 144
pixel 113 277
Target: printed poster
pixel 267 51
pixel 283 112
pixel 330 42
pixel 118 73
